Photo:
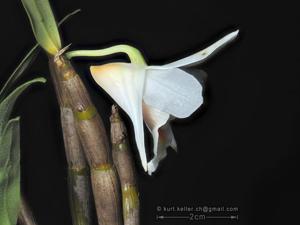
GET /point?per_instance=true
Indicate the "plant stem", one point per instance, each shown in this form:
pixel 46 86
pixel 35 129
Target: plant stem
pixel 125 167
pixel 94 141
pixel 78 173
pixel 133 53
pixel 25 215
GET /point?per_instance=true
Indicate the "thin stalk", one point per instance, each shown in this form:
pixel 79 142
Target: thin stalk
pixel 79 185
pixel 133 53
pixel 25 215
pixel 94 141
pixel 123 161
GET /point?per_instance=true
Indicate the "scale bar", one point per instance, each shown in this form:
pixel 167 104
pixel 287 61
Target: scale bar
pixel 204 217
pixel 221 217
pixel 173 217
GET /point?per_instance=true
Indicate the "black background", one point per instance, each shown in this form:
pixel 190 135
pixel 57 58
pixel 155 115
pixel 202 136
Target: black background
pixel 241 149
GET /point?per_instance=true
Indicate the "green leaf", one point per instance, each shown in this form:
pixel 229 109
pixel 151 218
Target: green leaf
pixel 7 104
pixel 13 184
pixel 43 24
pixel 10 157
pixel 25 63
pixel 10 173
pixel 5 143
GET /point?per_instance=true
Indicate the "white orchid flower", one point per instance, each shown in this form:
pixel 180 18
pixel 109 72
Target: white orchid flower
pixel 155 94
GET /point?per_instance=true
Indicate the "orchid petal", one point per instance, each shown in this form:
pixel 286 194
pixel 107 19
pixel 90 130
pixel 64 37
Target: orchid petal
pixel 172 91
pixel 201 56
pixel 166 139
pixel 154 119
pixel 125 84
